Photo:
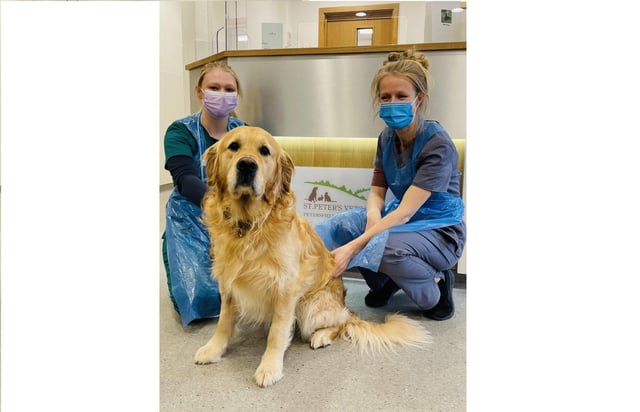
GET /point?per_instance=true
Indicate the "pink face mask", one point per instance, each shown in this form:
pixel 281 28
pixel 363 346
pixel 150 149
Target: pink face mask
pixel 220 104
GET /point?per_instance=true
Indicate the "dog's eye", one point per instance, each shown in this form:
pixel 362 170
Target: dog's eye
pixel 234 146
pixel 264 150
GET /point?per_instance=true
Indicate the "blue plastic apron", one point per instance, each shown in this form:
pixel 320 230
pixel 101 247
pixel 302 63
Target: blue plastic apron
pixel 195 292
pixel 440 210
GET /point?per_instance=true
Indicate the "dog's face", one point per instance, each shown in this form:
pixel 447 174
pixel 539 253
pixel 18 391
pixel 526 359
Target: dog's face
pixel 249 163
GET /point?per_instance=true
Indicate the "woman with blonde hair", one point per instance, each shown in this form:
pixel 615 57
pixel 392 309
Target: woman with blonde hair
pixel 185 246
pixel 412 241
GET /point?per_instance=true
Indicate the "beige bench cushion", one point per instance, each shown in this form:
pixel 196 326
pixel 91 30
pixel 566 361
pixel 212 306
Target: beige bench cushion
pixel 342 151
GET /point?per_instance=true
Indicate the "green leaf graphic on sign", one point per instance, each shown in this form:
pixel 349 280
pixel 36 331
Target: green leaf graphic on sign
pixel 342 188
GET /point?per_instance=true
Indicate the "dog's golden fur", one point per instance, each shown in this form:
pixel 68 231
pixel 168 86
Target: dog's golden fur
pixel 271 266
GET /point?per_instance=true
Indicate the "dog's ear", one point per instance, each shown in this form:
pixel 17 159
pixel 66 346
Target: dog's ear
pixel 286 171
pixel 280 186
pixel 210 160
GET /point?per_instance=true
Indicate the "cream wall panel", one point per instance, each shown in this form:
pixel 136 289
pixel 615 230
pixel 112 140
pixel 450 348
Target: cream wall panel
pixel 174 81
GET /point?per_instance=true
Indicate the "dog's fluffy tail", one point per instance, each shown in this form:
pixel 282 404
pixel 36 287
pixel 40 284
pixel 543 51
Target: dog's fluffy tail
pixel 397 330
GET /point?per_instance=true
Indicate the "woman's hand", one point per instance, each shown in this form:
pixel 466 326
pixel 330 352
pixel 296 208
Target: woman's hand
pixel 342 256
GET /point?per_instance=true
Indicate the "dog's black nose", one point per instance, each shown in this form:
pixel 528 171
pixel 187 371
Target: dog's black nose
pixel 246 171
pixel 247 166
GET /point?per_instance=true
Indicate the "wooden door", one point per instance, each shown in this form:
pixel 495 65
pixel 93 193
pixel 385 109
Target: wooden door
pixel 338 26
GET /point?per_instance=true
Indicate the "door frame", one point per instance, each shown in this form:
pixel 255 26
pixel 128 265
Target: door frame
pixel 374 11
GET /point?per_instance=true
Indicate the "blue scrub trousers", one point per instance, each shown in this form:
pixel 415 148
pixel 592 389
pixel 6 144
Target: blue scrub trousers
pixel 413 260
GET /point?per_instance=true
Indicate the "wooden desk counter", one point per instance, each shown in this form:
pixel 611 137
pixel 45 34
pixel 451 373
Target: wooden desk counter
pixel 326 50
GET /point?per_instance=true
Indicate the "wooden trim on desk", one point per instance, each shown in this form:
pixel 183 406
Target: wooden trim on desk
pixel 327 50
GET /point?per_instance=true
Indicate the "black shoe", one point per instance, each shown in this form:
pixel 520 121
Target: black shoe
pixel 445 308
pixel 380 297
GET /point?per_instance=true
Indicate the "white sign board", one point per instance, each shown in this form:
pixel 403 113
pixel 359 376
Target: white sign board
pixel 321 192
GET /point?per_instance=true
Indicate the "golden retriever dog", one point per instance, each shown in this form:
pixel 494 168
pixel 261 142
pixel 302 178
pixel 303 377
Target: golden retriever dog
pixel 271 266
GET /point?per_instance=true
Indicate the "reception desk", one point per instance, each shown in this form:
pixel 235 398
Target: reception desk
pixel 327 91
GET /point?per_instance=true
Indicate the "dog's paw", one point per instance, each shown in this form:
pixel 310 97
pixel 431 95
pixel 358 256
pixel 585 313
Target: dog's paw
pixel 207 354
pixel 267 375
pixel 320 339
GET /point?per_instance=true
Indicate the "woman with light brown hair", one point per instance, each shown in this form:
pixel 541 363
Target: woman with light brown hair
pixel 413 241
pixel 185 246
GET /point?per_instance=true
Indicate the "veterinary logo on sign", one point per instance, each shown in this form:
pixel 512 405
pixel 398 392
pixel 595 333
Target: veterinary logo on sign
pixel 323 192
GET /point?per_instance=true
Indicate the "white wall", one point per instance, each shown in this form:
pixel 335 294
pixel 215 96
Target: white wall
pixel 299 20
pixel 411 24
pixel 177 48
pixel 436 31
pixel 259 12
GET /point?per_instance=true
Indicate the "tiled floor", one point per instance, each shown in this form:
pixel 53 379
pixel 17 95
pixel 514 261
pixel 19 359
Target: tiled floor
pixel 335 378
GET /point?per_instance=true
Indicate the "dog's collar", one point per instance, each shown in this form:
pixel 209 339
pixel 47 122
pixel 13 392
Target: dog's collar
pixel 243 227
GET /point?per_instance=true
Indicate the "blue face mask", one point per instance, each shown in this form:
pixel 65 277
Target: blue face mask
pixel 397 115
